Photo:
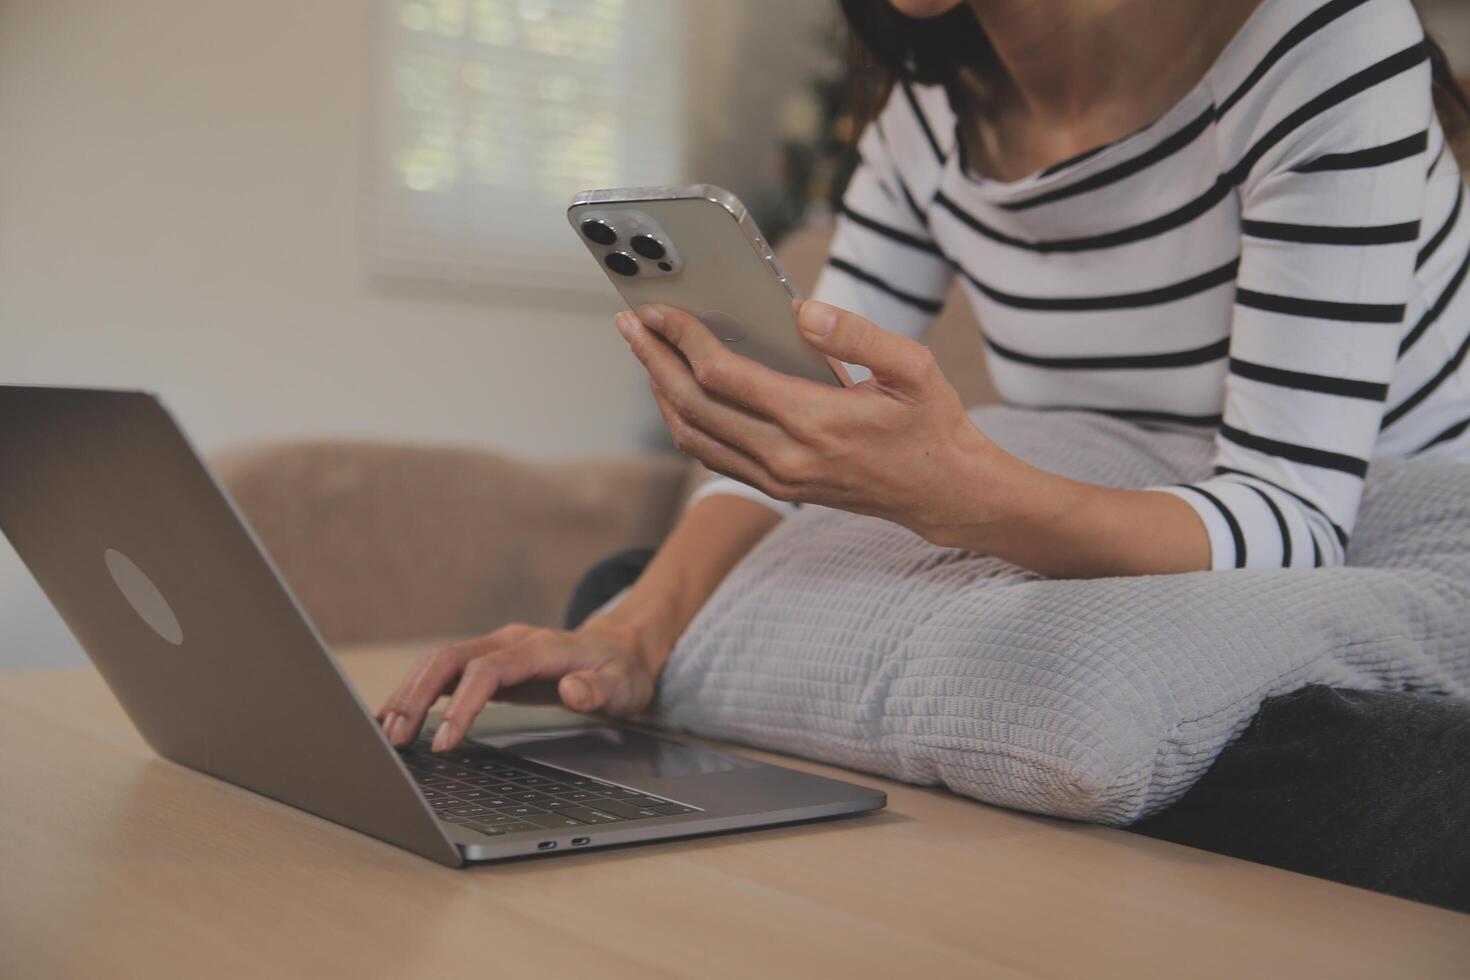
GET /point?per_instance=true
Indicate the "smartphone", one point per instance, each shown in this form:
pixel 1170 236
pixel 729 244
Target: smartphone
pixel 698 249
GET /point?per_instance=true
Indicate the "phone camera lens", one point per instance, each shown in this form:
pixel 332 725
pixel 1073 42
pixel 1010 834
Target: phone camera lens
pixel 622 263
pixel 648 246
pixel 599 231
pixel 666 267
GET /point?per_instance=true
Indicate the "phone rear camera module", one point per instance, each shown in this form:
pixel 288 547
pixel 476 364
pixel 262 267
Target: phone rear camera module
pixel 622 263
pixel 648 246
pixel 599 231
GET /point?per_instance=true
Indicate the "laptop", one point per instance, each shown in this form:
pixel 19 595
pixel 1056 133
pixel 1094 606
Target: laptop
pixel 215 663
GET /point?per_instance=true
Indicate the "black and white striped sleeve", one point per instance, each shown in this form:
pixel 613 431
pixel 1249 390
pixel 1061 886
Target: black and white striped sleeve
pixel 882 264
pixel 1330 221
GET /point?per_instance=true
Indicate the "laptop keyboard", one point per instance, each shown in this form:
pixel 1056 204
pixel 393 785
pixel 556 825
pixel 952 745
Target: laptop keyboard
pixel 496 793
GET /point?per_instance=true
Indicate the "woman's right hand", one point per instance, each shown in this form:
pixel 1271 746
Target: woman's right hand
pixel 595 668
pixel 611 663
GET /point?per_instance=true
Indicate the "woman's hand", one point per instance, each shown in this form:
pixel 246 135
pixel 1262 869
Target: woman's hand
pixel 898 445
pixel 595 668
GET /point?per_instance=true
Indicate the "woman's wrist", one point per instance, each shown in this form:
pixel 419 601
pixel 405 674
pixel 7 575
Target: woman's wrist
pixel 708 540
pixel 993 498
pixel 642 633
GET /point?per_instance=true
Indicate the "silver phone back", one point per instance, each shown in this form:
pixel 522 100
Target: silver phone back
pixel 728 269
pixel 208 652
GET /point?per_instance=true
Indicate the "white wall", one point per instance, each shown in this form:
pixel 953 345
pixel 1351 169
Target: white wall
pixel 181 190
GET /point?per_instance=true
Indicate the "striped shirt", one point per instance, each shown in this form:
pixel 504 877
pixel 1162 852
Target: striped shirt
pixel 1277 259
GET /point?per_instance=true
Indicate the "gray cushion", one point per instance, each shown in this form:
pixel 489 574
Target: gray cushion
pixel 851 640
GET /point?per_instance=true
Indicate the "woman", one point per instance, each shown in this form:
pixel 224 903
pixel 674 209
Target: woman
pixel 1238 216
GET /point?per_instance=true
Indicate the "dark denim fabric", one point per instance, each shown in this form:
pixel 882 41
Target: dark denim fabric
pixel 1369 788
pixel 604 580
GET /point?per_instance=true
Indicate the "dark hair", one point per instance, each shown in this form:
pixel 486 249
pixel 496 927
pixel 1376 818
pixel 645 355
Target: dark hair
pixel 889 46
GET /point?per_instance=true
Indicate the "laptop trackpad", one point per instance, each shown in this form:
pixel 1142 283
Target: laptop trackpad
pixel 614 754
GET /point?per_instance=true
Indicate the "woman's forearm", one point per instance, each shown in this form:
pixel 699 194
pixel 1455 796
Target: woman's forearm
pixel 1067 529
pixel 706 543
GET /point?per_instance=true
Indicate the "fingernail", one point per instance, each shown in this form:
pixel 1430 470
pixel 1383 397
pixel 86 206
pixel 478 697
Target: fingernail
pixel 441 736
pixel 651 315
pixel 578 692
pixel 389 721
pixel 626 323
pixel 398 733
pixel 817 318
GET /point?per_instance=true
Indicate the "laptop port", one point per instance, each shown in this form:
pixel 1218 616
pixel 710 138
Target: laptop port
pixel 546 845
pixel 579 841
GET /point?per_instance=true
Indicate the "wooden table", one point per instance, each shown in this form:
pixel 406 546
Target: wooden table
pixel 114 863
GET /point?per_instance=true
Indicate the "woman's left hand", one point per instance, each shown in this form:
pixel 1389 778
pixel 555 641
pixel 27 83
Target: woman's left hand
pixel 898 445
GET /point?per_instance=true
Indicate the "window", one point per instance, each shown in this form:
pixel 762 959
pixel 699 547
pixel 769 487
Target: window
pixel 496 112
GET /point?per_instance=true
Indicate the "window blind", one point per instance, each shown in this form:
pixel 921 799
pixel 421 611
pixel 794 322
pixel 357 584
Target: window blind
pixel 495 112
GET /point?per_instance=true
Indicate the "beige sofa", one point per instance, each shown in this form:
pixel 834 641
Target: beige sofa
pixel 387 542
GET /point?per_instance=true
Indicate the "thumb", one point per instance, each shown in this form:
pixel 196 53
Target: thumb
pixel 607 688
pixel 893 358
